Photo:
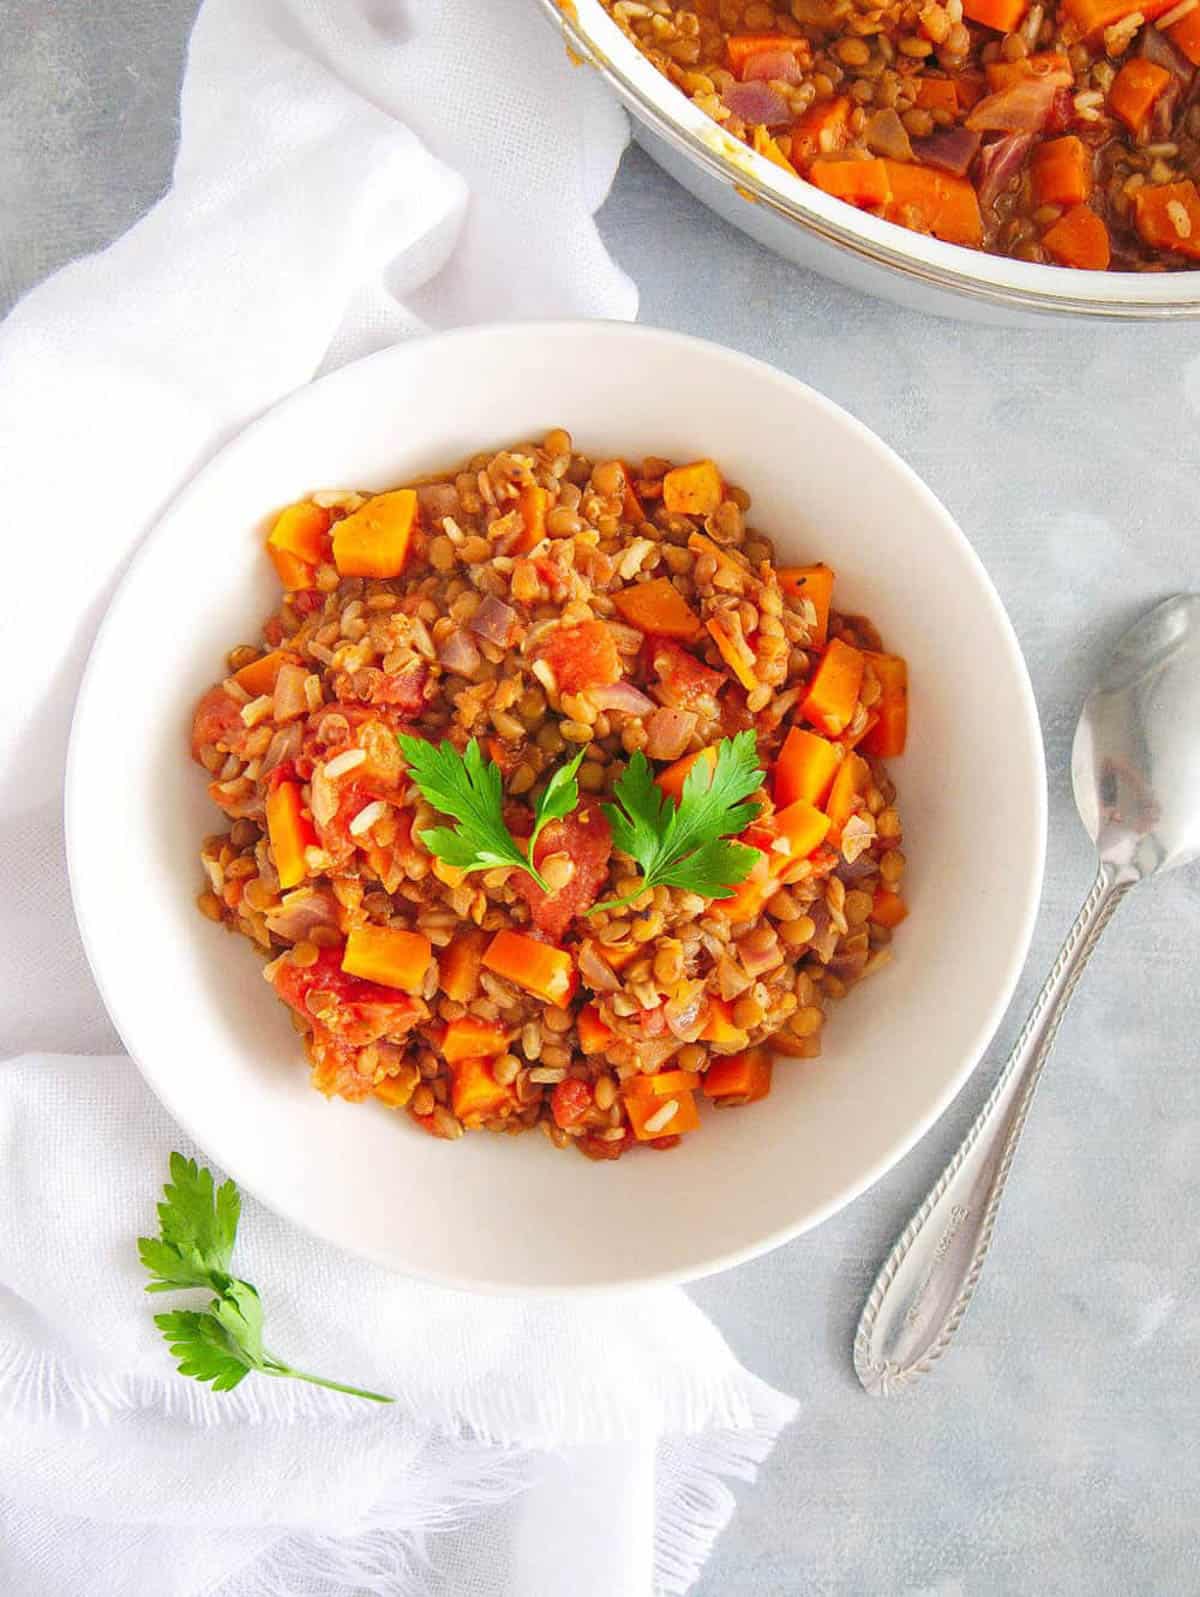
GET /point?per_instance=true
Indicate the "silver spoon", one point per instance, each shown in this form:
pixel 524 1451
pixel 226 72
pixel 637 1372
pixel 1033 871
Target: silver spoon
pixel 1135 769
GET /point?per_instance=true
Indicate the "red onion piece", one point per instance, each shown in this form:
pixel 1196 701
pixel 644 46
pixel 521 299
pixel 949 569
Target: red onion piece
pixel 667 733
pixel 685 1013
pixel 458 653
pixel 1024 107
pixel 886 135
pixel 780 66
pixel 756 961
pixel 950 149
pixel 732 979
pixel 999 164
pixel 595 971
pixel 285 745
pixel 290 699
pixel 655 1051
pixel 758 102
pixel 437 499
pixel 494 622
pixel 1157 47
pixel 621 696
pixel 299 912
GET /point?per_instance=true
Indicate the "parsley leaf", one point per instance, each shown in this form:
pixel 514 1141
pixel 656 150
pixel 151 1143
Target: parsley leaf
pixel 222 1344
pixel 684 845
pixel 467 788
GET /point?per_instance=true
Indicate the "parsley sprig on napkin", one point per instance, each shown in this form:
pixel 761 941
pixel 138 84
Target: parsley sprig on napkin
pixel 198 1226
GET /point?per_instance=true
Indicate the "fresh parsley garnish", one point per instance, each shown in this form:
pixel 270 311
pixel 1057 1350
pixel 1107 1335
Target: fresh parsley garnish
pixel 468 788
pixel 684 845
pixel 223 1343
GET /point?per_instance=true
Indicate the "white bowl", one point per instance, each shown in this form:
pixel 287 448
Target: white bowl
pixel 505 1213
pixel 808 226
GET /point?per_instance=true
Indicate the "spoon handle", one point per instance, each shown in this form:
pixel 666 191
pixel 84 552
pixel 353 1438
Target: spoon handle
pixel 929 1278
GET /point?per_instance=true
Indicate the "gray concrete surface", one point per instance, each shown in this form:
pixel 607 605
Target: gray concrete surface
pixel 1057 1450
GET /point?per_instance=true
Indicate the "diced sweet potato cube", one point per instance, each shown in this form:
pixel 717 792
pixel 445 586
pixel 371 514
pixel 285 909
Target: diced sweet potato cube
pixel 374 540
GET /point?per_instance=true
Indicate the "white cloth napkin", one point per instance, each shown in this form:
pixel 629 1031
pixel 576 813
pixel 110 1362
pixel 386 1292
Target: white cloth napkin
pixel 349 173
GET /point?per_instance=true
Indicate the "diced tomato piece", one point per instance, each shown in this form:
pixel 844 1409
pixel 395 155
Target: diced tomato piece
pixel 583 656
pixel 585 837
pixel 570 1101
pixel 363 1011
pixel 684 683
pixel 217 721
pixel 334 834
pixel 405 692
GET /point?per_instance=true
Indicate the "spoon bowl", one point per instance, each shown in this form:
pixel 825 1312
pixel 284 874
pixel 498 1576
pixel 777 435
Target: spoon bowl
pixel 1135 766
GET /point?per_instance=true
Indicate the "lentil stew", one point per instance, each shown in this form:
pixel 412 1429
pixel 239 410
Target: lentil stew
pixel 545 619
pixel 1062 132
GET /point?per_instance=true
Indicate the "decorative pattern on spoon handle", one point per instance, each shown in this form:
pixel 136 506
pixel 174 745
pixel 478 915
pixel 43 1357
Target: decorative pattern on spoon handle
pixel 929 1278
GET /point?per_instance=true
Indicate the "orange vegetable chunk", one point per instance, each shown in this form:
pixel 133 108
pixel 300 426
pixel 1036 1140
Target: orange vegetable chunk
pixel 373 542
pixel 672 779
pixel 719 1028
pixel 746 1075
pixel 618 956
pixel 861 183
pixel 662 1084
pixel 749 896
pixel 822 130
pixel 289 831
pixel 474 1091
pixel 887 737
pixel 1061 172
pixel 735 651
pixel 695 490
pixel 1185 35
pixel 851 782
pixel 888 908
pixel 296 543
pixel 388 955
pixel 1003 74
pixel 1093 16
pixel 944 205
pixel 814 583
pixel 1136 87
pixel 1079 239
pixel 468 1038
pixel 594 1036
pixel 648 1117
pixel 300 530
pixel 657 607
pixel 937 94
pixel 1167 216
pixel 804 768
pixel 259 676
pixel 739 47
pixel 533 502
pixel 799 829
pixel 458 965
pixel 1003 15
pixel 394 1091
pixel 582 656
pixel 539 968
pixel 833 692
